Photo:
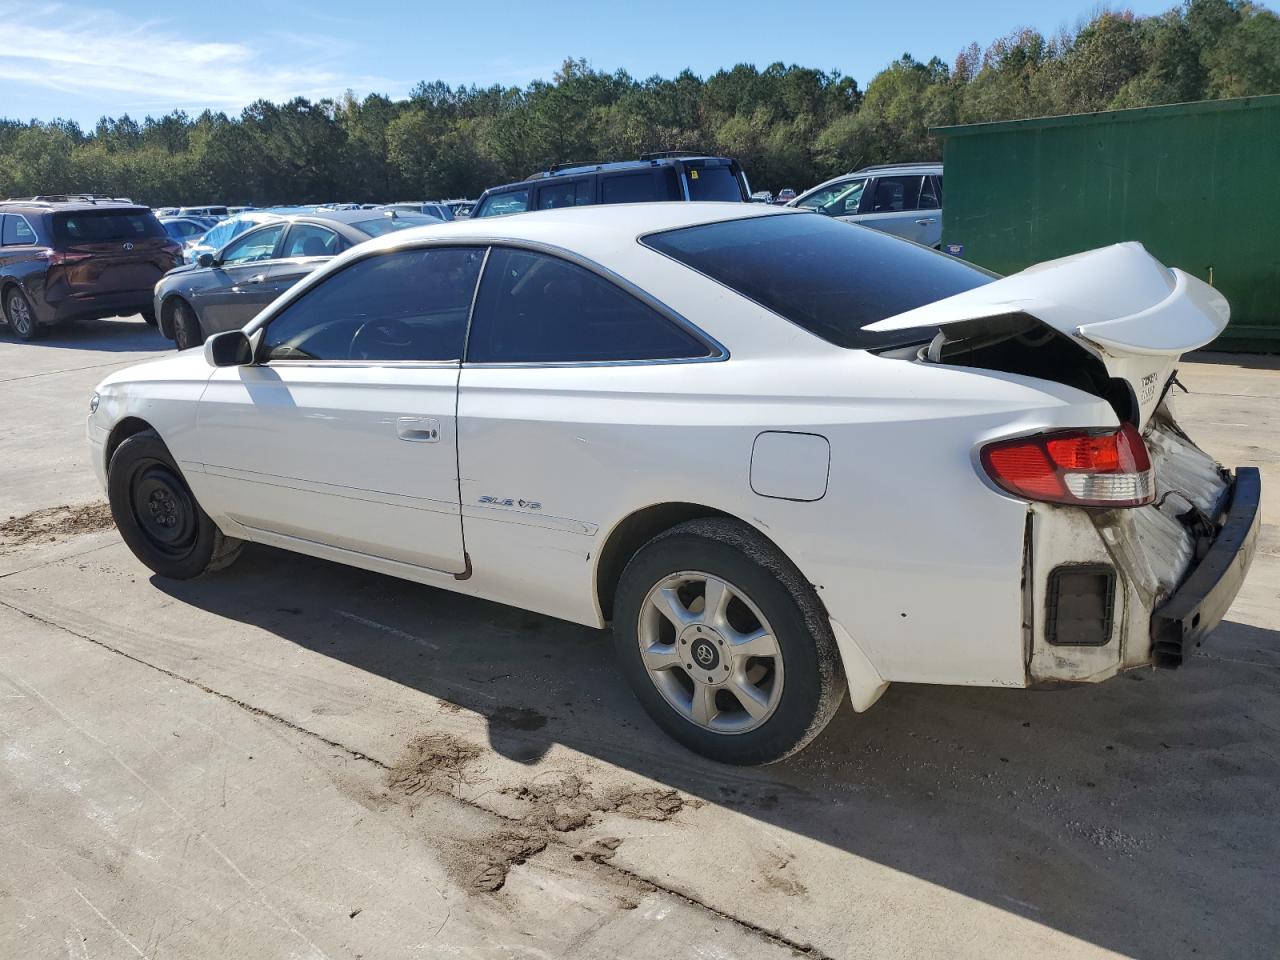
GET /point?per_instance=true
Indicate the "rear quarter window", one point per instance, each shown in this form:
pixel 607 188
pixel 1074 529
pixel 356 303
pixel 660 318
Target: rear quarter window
pixel 17 231
pixel 830 277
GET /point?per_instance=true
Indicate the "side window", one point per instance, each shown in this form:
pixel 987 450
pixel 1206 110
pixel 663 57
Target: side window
pixel 571 194
pixel 838 200
pixel 517 201
pixel 534 308
pixel 929 199
pixel 17 232
pixel 310 240
pixel 896 194
pixel 404 305
pixel 642 187
pixel 253 246
pixel 938 184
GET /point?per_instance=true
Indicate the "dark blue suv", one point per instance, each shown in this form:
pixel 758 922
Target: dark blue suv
pixel 672 175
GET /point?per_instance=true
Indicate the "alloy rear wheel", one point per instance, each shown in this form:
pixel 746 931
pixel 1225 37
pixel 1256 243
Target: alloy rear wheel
pixel 21 318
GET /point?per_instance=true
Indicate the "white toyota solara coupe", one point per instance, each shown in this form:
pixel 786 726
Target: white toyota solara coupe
pixel 785 456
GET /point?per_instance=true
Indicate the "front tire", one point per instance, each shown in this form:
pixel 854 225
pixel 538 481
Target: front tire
pixel 186 326
pixel 157 514
pixel 725 644
pixel 20 316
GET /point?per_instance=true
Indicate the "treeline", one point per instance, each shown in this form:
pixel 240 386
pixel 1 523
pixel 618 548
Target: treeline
pixel 791 126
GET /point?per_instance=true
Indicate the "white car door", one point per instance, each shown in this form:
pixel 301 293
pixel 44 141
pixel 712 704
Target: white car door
pixel 563 367
pixel 343 433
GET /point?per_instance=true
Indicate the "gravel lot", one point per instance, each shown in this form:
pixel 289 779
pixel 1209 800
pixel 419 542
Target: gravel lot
pixel 296 759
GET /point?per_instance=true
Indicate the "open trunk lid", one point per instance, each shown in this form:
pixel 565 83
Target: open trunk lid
pixel 1118 303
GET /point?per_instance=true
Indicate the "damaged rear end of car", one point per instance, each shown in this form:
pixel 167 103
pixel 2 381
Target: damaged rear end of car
pixel 1136 540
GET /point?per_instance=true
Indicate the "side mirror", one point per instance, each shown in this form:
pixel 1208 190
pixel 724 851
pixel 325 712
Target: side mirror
pixel 229 349
pixel 206 260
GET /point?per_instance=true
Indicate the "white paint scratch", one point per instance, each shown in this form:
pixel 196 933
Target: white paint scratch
pixel 107 920
pixel 393 631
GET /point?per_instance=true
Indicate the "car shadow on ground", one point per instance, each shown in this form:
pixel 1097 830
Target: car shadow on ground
pixel 1138 815
pixel 117 335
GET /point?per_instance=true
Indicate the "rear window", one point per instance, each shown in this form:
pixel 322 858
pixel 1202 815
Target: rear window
pixel 89 226
pixel 377 226
pixel 830 277
pixel 712 182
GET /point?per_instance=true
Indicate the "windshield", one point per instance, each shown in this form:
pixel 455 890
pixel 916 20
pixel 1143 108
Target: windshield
pixel 838 200
pixel 830 277
pixel 377 226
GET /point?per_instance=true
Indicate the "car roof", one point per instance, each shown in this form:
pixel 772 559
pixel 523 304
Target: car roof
pixel 926 166
pixel 884 169
pixel 587 229
pixel 68 206
pixel 582 168
pixel 352 216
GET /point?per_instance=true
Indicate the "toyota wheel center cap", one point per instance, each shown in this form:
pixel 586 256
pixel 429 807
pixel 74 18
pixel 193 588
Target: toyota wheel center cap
pixel 704 653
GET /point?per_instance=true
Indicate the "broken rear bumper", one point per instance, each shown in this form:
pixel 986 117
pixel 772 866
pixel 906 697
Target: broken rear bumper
pixel 1199 604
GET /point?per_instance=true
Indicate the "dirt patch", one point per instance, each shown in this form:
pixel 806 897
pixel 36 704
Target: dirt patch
pixel 497 854
pixel 55 523
pixel 548 808
pixel 599 849
pixel 775 873
pixel 656 805
pixel 433 763
pixel 570 804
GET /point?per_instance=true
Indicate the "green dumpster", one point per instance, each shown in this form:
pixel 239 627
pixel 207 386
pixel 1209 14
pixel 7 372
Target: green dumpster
pixel 1197 183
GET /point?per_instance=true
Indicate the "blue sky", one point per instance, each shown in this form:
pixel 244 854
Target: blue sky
pixel 86 60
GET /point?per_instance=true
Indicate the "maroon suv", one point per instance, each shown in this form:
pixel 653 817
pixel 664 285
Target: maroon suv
pixel 79 258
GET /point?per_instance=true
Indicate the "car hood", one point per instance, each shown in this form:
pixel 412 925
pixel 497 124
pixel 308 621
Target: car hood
pixel 182 270
pixel 186 366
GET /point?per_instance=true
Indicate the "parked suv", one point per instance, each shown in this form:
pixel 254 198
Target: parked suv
pixel 75 258
pixel 672 175
pixel 904 199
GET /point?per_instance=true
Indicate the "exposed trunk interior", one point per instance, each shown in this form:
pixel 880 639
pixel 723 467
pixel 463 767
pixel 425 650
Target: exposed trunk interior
pixel 1019 343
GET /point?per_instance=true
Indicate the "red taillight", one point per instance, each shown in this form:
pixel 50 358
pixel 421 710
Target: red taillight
pixel 1080 467
pixel 58 258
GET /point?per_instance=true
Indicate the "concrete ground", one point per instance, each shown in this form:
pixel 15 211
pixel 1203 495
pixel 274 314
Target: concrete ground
pixel 296 759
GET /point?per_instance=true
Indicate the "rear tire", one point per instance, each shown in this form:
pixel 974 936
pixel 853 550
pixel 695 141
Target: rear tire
pixel 729 699
pixel 158 515
pixel 186 326
pixel 19 315
pixel 149 317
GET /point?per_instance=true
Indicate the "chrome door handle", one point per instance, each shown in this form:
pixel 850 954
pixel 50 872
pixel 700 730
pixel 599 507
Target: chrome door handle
pixel 418 429
pixel 239 287
pixel 926 221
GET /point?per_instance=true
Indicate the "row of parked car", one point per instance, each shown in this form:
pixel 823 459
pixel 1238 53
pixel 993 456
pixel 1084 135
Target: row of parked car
pixel 195 271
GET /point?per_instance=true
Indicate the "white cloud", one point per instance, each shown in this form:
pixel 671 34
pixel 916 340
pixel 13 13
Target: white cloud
pixel 150 67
